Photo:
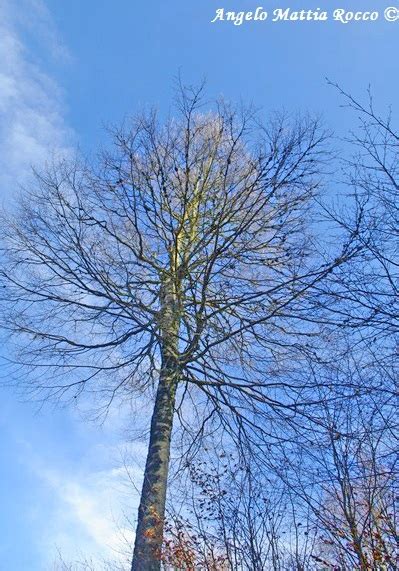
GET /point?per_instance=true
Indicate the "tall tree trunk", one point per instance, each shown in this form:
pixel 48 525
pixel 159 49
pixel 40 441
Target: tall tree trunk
pixel 150 524
pixel 149 533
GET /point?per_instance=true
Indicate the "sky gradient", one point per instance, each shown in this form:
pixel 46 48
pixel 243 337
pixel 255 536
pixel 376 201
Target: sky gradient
pixel 69 68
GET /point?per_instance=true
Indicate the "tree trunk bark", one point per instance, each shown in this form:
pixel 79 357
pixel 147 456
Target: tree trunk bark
pixel 149 533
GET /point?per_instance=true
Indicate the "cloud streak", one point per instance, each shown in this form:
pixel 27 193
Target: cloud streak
pixel 88 520
pixel 32 125
pixel 83 506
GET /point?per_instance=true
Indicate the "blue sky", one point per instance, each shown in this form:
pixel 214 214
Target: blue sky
pixel 66 69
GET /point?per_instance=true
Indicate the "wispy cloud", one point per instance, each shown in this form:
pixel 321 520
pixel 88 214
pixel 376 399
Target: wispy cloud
pixel 87 506
pixel 91 517
pixel 32 124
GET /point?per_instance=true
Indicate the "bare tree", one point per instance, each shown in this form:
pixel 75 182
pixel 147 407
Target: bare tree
pixel 357 513
pixel 344 467
pixel 360 519
pixel 230 515
pixel 183 259
pixel 369 288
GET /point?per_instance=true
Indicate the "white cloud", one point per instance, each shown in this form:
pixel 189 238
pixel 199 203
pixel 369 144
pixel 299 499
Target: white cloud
pixel 32 124
pixel 89 518
pixel 88 508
